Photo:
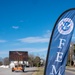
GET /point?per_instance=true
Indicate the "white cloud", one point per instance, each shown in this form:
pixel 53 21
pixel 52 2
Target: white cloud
pixel 34 51
pixel 15 27
pixel 31 50
pixel 3 41
pixel 48 33
pixel 34 40
pixel 37 39
pixel 3 52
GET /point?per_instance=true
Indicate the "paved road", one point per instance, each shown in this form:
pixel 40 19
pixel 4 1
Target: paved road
pixel 69 73
pixel 28 71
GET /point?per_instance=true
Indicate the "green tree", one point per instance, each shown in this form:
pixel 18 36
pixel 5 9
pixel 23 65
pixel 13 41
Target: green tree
pixel 37 61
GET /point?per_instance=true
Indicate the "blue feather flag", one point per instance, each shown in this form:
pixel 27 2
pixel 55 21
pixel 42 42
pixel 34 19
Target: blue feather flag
pixel 59 43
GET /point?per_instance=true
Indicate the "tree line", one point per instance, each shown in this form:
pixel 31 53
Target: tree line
pixel 4 61
pixel 32 60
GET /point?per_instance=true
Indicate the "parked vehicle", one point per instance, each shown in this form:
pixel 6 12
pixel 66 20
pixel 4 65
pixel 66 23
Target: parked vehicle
pixel 18 68
pixel 18 60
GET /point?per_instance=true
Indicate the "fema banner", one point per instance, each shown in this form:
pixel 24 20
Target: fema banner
pixel 60 43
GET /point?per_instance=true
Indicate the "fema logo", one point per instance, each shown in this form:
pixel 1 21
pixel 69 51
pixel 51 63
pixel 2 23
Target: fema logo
pixel 65 26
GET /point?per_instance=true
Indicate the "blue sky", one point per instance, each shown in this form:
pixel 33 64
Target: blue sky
pixel 27 24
